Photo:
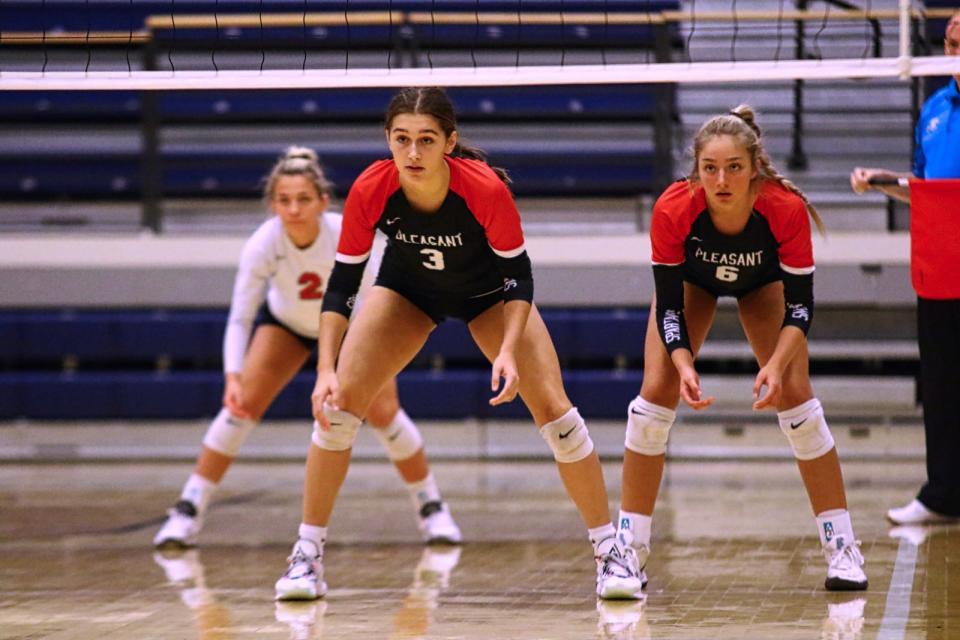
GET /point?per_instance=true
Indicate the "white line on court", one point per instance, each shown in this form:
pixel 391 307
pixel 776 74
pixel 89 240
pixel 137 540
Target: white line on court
pixel 897 610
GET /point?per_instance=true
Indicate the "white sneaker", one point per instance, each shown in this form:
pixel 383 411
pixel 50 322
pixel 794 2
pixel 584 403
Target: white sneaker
pixel 182 527
pixel 619 576
pixel 916 513
pixel 844 566
pixel 303 579
pixel 305 619
pixel 437 525
pixel 622 619
pixel 844 620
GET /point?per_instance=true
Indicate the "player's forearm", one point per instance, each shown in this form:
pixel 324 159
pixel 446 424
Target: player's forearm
pixel 333 326
pixel 515 314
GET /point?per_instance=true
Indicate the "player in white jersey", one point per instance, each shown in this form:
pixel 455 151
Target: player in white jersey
pixel 283 272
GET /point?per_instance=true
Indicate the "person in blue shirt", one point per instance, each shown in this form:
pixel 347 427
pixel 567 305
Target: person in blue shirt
pixel 937 156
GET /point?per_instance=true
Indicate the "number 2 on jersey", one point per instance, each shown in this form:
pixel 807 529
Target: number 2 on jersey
pixel 434 259
pixel 312 288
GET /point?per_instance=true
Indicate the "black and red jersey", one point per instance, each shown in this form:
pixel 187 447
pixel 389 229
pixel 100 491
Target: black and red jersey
pixel 774 245
pixel 472 245
pixel 777 236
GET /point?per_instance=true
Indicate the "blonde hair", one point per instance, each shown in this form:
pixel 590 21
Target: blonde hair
pixel 740 123
pixel 297 161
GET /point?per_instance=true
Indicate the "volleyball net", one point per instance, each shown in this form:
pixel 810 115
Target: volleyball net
pixel 280 44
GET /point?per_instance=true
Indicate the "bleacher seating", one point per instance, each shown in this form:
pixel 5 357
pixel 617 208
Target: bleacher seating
pixel 166 363
pixel 109 167
pixel 96 364
pixel 474 104
pixel 119 15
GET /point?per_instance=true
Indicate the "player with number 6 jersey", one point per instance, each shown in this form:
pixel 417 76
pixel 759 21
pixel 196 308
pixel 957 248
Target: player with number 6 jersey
pixel 735 227
pixel 281 281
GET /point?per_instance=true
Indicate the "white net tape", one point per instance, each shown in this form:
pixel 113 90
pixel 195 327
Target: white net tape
pixel 699 72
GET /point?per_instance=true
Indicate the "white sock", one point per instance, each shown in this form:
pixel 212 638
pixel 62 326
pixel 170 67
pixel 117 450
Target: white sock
pixel 835 525
pixel 424 491
pixel 602 538
pixel 316 535
pixel 198 491
pixel 638 525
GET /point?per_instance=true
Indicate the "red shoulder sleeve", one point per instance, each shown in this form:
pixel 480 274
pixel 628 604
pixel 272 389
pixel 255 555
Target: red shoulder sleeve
pixel 363 208
pixel 787 215
pixel 491 203
pixel 673 216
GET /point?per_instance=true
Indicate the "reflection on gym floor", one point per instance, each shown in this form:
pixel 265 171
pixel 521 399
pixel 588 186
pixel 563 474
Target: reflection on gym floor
pixel 735 555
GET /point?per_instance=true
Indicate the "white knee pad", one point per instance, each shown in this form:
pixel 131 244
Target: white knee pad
pixel 227 433
pixel 648 427
pixel 807 430
pixel 400 438
pixel 343 429
pixel 568 437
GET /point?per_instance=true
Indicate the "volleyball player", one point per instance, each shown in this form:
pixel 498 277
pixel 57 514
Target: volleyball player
pixel 455 250
pixel 284 272
pixel 735 227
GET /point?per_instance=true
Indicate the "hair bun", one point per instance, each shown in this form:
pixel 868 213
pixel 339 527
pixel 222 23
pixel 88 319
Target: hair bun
pixel 300 153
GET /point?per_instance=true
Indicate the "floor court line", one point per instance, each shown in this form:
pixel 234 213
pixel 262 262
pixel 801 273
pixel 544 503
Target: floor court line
pixel 897 610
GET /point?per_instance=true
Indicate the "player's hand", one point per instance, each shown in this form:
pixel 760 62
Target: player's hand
pixel 690 389
pixel 233 397
pixel 860 177
pixel 504 366
pixel 325 392
pixel 772 379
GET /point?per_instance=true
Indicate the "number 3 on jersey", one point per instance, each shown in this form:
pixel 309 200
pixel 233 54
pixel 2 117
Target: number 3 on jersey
pixel 727 273
pixel 434 259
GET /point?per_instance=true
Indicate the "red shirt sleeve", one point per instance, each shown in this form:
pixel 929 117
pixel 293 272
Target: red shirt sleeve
pixel 789 221
pixel 491 203
pixel 363 208
pixel 673 215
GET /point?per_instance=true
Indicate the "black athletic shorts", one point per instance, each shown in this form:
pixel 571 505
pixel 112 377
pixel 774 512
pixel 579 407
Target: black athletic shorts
pixel 718 292
pixel 439 308
pixel 264 316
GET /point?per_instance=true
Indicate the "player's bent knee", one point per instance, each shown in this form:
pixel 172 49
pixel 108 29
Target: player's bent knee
pixel 807 430
pixel 648 427
pixel 400 438
pixel 340 435
pixel 227 433
pixel 568 437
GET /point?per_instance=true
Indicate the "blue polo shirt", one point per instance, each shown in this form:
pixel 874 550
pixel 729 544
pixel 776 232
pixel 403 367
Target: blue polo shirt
pixel 938 135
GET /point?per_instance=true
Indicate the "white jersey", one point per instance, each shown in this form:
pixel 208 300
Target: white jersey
pixel 290 279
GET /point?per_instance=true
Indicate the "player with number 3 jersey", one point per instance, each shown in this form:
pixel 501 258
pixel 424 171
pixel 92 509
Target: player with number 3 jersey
pixel 455 250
